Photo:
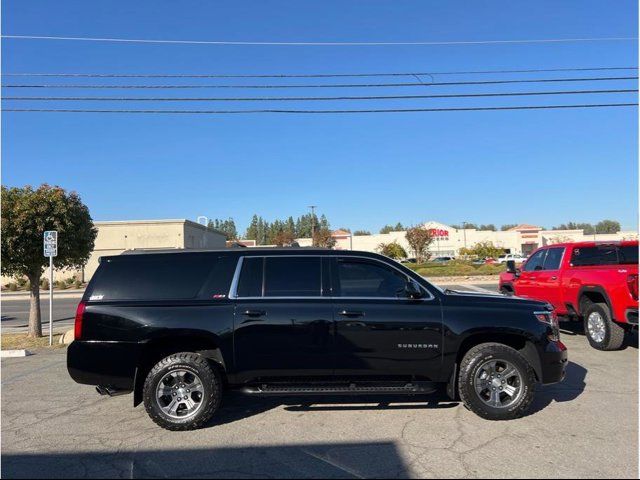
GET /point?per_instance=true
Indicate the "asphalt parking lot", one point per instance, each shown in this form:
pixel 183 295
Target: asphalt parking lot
pixel 584 427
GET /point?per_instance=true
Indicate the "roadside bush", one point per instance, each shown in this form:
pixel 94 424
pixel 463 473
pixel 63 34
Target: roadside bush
pixel 12 286
pixel 495 269
pixel 44 284
pixel 22 282
pixel 77 284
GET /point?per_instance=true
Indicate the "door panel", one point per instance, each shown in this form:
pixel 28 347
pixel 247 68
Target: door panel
pixel 283 338
pixel 526 284
pixel 283 323
pixel 388 337
pixel 378 330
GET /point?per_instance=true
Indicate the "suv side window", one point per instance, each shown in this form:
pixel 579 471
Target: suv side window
pixel 369 279
pixel 553 258
pixel 280 277
pixel 250 281
pixel 292 277
pixel 535 262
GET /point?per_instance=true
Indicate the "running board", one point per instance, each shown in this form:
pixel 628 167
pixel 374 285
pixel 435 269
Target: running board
pixel 414 388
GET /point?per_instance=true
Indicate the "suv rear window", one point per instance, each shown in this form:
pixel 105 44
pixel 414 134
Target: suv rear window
pixel 604 255
pixel 169 277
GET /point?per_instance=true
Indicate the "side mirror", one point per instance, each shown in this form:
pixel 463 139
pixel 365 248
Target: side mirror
pixel 511 267
pixel 413 290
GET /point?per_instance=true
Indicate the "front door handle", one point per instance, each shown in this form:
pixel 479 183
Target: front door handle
pixel 254 313
pixel 554 278
pixel 351 313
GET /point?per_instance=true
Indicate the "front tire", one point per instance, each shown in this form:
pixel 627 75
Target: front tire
pixel 496 382
pixel 601 331
pixel 182 392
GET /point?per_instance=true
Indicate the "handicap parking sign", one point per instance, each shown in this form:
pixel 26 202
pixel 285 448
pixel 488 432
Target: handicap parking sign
pixel 50 243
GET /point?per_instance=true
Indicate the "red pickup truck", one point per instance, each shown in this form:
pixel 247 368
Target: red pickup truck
pixel 595 281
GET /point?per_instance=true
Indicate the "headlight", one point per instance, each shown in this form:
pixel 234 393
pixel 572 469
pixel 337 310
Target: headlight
pixel 550 317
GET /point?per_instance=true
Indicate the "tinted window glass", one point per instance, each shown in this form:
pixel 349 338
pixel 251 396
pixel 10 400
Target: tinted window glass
pixel 628 254
pixel 250 281
pixel 292 277
pixel 145 277
pixel 552 261
pixel 535 262
pixel 219 281
pixel 599 255
pixel 370 279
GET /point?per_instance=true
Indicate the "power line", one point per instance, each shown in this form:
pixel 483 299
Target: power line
pixel 348 85
pixel 408 110
pixel 321 44
pixel 310 75
pixel 279 99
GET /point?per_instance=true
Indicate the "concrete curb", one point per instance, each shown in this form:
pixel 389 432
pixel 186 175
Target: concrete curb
pixel 44 295
pixel 14 353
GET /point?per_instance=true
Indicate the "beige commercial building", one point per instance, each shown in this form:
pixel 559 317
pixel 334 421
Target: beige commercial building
pixel 448 241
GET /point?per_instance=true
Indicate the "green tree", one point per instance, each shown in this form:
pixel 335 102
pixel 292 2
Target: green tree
pixel 323 238
pixel 608 226
pixel 258 230
pixel 228 227
pixel 482 250
pixel 361 233
pixel 419 239
pixel 489 226
pixel 398 227
pixel 392 250
pixel 26 214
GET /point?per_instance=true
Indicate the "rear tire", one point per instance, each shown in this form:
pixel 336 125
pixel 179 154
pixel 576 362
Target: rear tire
pixel 496 382
pixel 182 392
pixel 601 331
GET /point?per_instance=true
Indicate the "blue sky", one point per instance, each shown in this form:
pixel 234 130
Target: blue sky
pixel 541 167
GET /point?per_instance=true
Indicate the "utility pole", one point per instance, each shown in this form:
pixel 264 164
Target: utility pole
pixel 464 232
pixel 313 224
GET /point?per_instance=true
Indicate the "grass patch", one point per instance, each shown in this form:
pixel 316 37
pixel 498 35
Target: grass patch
pixel 456 268
pixel 19 341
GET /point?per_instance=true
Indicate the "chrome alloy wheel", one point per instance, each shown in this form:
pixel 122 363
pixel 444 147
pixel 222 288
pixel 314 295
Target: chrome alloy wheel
pixel 596 327
pixel 179 394
pixel 498 383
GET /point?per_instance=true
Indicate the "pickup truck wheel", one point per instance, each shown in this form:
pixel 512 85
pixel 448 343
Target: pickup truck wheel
pixel 182 392
pixel 601 331
pixel 496 382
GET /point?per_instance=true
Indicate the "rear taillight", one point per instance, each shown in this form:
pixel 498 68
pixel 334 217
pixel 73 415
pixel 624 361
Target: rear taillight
pixel 632 283
pixel 550 317
pixel 77 330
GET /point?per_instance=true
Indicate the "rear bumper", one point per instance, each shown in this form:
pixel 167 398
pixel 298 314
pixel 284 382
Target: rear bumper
pixel 631 316
pixel 554 362
pixel 103 363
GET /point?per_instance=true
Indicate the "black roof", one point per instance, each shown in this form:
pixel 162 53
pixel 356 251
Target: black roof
pixel 253 251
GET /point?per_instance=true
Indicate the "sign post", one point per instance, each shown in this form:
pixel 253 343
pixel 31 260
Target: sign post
pixel 51 250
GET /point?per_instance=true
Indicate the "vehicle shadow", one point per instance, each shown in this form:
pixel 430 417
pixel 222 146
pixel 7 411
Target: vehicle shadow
pixel 315 460
pixel 566 391
pixel 577 328
pixel 238 406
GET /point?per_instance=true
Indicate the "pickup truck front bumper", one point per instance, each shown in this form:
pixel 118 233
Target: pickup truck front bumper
pixel 554 362
pixel 631 315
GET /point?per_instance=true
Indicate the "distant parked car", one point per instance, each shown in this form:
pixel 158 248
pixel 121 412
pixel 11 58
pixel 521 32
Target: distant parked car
pixel 511 256
pixel 442 259
pixel 484 261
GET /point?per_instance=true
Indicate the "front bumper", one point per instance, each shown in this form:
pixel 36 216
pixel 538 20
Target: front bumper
pixel 631 315
pixel 554 362
pixel 110 364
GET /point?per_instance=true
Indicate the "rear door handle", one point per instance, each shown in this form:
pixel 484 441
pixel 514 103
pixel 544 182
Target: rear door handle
pixel 351 313
pixel 254 313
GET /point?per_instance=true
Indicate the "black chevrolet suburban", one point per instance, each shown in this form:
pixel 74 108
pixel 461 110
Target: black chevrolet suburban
pixel 178 328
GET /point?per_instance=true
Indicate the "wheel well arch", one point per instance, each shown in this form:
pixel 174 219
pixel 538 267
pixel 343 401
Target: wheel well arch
pixel 507 286
pixel 160 347
pixel 592 294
